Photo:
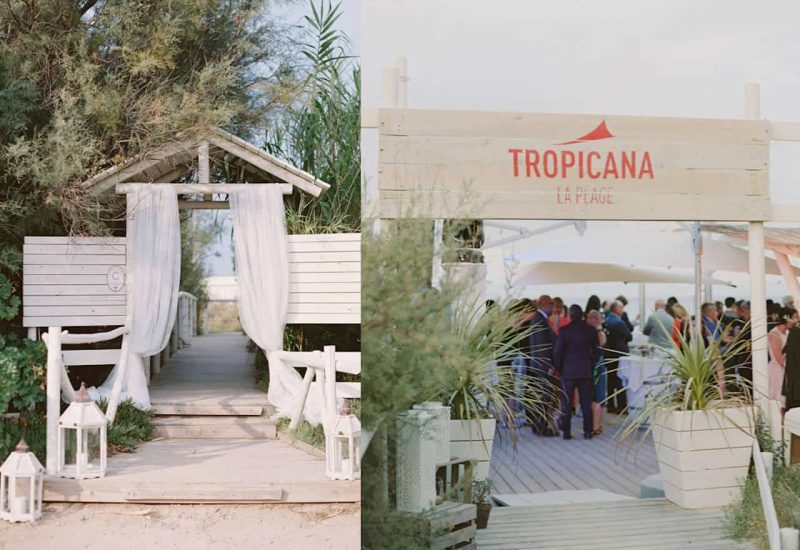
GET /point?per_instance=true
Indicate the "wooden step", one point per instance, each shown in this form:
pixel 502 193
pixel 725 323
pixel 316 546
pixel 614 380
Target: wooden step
pixel 172 409
pixel 214 427
pixel 204 493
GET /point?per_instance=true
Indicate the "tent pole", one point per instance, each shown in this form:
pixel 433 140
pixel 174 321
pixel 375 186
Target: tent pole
pixel 642 306
pixel 697 246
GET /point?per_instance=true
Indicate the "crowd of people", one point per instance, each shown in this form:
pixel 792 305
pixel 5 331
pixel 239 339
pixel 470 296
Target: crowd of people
pixel 578 348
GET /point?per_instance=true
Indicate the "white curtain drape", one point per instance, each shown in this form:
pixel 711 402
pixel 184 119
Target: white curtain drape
pixel 262 272
pixel 154 250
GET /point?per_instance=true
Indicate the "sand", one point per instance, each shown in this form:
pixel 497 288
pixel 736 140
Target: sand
pixel 196 527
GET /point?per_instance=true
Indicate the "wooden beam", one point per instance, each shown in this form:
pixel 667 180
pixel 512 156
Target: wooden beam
pixel 270 166
pixel 204 205
pixel 784 131
pixel 197 188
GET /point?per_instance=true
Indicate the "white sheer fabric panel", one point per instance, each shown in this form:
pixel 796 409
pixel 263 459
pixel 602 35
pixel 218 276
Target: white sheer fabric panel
pixel 154 249
pixel 262 263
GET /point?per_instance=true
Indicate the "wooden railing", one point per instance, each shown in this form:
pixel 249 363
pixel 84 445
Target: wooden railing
pixel 779 539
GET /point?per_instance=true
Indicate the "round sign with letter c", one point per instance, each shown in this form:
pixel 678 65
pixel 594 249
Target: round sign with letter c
pixel 115 278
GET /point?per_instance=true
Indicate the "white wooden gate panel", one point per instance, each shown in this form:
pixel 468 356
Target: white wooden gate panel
pixel 79 281
pixel 73 281
pixel 325 279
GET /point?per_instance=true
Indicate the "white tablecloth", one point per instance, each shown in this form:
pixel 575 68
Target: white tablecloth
pixel 636 372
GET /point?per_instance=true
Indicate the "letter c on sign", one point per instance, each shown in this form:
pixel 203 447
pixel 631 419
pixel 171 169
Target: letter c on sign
pixel 115 278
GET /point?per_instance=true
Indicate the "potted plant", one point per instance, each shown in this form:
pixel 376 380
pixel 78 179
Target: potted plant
pixel 481 385
pixel 702 420
pixel 481 492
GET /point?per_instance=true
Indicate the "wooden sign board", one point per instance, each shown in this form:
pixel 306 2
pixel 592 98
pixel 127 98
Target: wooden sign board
pixel 73 282
pixel 454 164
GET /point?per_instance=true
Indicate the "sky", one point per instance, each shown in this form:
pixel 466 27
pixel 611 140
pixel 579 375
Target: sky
pixel 627 57
pixel 219 261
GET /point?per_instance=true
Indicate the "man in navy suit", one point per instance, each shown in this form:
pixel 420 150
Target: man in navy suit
pixel 616 346
pixel 575 356
pixel 540 351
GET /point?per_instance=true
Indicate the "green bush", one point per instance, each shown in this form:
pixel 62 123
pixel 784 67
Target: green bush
pixel 22 361
pixel 30 426
pixel 131 427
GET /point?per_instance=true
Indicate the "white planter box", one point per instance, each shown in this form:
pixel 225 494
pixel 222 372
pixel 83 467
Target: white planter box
pixel 704 455
pixel 474 441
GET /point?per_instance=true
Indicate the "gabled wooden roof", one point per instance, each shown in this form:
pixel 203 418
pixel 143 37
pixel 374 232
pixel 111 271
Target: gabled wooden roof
pixel 170 162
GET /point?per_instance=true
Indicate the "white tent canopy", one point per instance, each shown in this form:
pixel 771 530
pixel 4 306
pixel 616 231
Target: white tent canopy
pixel 664 249
pixel 556 272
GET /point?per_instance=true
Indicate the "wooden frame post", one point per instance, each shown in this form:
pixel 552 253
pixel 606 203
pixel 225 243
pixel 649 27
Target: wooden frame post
pixel 53 341
pixel 758 296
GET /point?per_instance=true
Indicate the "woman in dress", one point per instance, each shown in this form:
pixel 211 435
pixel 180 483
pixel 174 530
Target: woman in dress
pixel 599 378
pixel 776 340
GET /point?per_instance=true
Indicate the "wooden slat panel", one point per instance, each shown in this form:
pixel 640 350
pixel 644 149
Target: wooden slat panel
pixel 69 269
pixel 90 357
pixel 423 122
pixel 322 319
pixel 69 290
pixel 324 308
pixel 347 277
pixel 476 152
pixel 52 321
pixel 67 259
pixel 354 256
pixel 74 300
pixel 324 287
pixel 76 240
pixel 325 237
pixel 78 311
pixel 325 267
pixel 73 249
pixel 323 298
pixel 87 279
pixel 325 246
pixel 520 205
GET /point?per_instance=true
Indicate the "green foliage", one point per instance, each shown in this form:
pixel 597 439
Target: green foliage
pixel 22 361
pixel 131 427
pixel 320 131
pixel 30 426
pixel 313 434
pixel 698 379
pixel 745 519
pixel 84 86
pixel 481 491
pixel 421 344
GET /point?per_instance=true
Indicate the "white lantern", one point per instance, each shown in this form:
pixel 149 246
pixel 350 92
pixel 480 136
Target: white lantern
pixel 82 439
pixel 343 447
pixel 21 478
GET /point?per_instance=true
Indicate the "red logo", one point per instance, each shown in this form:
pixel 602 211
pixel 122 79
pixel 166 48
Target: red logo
pixel 601 132
pixel 582 163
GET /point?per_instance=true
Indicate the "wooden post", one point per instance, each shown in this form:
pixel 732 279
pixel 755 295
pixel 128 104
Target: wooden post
pixel 758 292
pixel 165 355
pixel 642 304
pixel 155 363
pixel 32 335
pixel 146 365
pixel 116 389
pixel 53 341
pixel 790 538
pixel 205 319
pixel 297 415
pixel 329 361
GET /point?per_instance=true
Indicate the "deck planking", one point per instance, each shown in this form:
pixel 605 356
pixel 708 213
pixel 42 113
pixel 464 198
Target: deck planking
pixel 538 464
pixel 626 524
pixel 216 372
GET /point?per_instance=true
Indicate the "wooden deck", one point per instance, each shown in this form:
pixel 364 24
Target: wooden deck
pixel 215 370
pixel 207 385
pixel 540 464
pixel 631 524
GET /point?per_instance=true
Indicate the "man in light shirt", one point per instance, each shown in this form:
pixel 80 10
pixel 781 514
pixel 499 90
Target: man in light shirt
pixel 659 325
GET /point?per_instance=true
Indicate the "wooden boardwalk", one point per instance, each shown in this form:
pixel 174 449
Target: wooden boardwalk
pixel 202 389
pixel 633 524
pixel 540 464
pixel 214 370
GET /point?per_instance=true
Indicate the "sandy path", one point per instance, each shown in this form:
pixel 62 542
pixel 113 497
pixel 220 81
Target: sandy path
pixel 195 527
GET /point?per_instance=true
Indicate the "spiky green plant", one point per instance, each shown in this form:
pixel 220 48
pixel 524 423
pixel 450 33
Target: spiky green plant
pixel 700 377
